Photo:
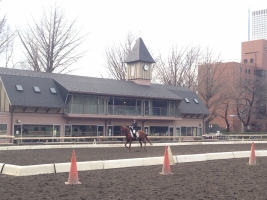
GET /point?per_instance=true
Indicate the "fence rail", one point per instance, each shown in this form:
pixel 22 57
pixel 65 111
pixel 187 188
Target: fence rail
pixel 99 139
pixel 246 136
pixel 8 139
pixel 110 139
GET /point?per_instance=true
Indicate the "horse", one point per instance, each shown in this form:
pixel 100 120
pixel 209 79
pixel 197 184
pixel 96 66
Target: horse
pixel 141 137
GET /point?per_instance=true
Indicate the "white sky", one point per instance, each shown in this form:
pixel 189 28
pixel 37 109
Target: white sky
pixel 218 24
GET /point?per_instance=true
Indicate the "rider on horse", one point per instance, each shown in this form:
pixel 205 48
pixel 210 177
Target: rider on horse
pixel 134 128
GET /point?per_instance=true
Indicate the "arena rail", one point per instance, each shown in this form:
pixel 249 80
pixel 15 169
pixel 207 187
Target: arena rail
pixel 246 136
pixel 96 139
pixel 8 139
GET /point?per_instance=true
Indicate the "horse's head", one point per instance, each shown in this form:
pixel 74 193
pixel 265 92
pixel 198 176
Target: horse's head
pixel 124 129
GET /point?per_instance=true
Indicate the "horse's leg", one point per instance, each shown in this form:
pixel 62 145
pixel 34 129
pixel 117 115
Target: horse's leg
pixel 145 144
pixel 140 141
pixel 127 141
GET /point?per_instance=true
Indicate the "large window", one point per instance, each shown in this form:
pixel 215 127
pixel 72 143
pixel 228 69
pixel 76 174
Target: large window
pixel 123 106
pixel 89 104
pixel 159 108
pixel 189 131
pixel 84 130
pixel 3 129
pixel 159 130
pixel 35 130
pixel 84 104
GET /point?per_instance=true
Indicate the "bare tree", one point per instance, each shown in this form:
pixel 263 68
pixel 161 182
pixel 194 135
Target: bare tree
pixel 116 55
pixel 6 42
pixel 212 85
pixel 225 106
pixel 250 98
pixel 180 67
pixel 51 44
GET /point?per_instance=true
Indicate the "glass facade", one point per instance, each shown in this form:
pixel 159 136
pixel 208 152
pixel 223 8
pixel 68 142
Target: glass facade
pixel 36 130
pixel 89 104
pixel 190 131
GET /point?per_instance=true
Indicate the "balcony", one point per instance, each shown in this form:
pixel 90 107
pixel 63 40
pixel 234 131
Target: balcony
pixel 123 110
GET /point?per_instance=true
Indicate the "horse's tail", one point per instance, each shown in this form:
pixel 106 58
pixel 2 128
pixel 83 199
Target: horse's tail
pixel 149 140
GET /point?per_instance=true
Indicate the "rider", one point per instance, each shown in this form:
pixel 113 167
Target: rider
pixel 134 125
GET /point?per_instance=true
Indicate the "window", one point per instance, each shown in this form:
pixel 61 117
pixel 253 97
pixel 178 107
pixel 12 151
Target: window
pixel 245 60
pixel 36 89
pixel 249 71
pixel 53 90
pixel 19 87
pixel 240 69
pixel 186 100
pixel 245 70
pixel 196 101
pixel 3 129
pixel 251 60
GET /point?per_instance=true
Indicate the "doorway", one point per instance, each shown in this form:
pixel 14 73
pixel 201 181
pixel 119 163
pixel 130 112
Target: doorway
pixel 146 129
pixel 170 132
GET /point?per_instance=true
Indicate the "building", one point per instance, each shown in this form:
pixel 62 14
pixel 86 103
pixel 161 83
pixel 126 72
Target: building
pixel 254 53
pixel 258 24
pixel 251 73
pixel 49 104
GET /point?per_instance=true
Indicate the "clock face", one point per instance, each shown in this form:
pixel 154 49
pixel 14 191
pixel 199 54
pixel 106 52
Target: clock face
pixel 145 67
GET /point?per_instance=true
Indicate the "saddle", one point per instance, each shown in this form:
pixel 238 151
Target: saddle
pixel 135 135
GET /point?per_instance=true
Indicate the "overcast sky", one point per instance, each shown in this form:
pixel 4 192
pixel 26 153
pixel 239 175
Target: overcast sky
pixel 218 24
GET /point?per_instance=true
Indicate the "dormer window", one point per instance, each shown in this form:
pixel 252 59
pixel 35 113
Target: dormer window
pixel 53 90
pixel 36 89
pixel 196 101
pixel 19 87
pixel 186 100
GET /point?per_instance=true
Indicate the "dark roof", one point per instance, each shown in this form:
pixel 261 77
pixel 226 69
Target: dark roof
pixel 192 107
pixel 139 53
pixel 92 85
pixel 89 85
pixel 28 97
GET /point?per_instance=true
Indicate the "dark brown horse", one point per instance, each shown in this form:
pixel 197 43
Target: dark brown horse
pixel 141 137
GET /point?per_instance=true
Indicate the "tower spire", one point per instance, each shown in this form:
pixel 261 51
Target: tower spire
pixel 139 53
pixel 139 64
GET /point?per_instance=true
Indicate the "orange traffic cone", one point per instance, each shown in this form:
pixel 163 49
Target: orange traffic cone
pixel 73 175
pixel 166 169
pixel 252 159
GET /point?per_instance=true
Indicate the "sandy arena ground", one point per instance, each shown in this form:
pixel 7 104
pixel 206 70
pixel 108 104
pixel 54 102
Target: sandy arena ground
pixel 219 179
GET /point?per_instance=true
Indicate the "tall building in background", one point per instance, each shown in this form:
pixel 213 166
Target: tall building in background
pixel 258 23
pixel 244 83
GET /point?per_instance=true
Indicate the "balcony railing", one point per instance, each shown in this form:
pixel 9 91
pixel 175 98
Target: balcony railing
pixel 123 110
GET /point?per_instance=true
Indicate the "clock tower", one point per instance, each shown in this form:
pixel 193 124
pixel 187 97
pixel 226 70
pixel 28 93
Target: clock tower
pixel 139 64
